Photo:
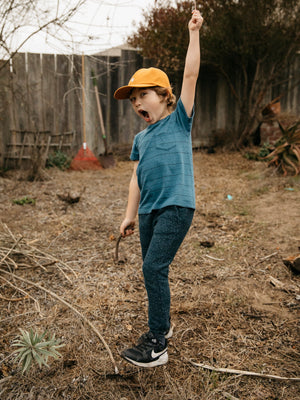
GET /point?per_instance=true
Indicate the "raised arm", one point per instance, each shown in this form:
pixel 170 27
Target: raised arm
pixel 192 63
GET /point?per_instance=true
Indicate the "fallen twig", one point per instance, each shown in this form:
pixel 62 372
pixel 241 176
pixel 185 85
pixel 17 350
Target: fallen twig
pixel 264 258
pixel 229 396
pixel 14 298
pixel 85 319
pixel 10 250
pixel 214 258
pixel 37 257
pixel 17 316
pixel 247 373
pixel 54 260
pixel 116 258
pixel 26 295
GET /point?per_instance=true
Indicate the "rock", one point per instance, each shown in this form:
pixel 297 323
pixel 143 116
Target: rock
pixel 293 262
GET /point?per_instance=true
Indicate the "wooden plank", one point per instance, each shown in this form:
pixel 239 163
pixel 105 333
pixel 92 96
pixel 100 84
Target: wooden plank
pixel 129 123
pixel 48 91
pixel 61 106
pixel 93 130
pixel 21 154
pixel 46 152
pixel 19 94
pixel 101 75
pixel 34 87
pixel 5 105
pixel 112 82
pixel 75 99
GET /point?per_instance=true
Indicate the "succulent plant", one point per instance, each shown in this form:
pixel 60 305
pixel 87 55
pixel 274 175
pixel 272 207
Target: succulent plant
pixel 34 347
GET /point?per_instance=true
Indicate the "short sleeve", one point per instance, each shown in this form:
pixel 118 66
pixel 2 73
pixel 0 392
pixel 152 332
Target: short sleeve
pixel 185 121
pixel 134 156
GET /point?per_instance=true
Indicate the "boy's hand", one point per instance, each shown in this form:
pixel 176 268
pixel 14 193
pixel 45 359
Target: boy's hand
pixel 127 227
pixel 196 21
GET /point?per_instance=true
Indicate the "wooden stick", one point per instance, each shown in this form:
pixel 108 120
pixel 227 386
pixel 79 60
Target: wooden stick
pixel 264 258
pixel 54 259
pixel 247 373
pixel 37 304
pixel 83 100
pixel 14 298
pixel 214 258
pixel 16 316
pixel 73 309
pixel 229 396
pixel 8 253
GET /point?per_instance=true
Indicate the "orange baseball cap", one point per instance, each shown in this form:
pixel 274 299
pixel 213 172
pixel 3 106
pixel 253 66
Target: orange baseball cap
pixel 144 77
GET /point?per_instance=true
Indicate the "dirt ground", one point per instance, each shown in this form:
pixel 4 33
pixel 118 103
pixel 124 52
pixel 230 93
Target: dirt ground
pixel 235 304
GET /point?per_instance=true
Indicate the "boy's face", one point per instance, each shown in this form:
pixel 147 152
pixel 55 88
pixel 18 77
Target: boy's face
pixel 148 105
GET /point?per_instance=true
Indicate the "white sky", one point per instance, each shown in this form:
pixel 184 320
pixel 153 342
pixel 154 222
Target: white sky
pixel 97 26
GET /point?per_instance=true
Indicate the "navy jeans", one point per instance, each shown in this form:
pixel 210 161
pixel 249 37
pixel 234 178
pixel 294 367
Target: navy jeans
pixel 161 234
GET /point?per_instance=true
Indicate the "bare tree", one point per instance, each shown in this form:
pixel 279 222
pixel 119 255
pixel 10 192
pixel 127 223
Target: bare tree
pixel 34 15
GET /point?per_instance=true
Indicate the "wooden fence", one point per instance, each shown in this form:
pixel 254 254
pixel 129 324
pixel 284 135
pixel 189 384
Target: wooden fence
pixel 41 99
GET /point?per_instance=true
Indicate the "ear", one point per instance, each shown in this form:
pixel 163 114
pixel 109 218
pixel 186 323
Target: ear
pixel 167 95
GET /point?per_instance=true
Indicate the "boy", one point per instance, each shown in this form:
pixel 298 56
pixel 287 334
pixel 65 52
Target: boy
pixel 161 189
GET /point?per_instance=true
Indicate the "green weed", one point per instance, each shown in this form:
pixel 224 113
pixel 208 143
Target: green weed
pixel 24 200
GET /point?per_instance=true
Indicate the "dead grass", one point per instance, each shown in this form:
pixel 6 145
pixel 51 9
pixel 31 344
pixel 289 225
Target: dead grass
pixel 227 312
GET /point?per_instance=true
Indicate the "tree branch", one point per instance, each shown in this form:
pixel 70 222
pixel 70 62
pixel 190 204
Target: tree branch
pixel 247 373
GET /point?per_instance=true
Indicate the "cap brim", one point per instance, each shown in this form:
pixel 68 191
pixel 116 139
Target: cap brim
pixel 124 91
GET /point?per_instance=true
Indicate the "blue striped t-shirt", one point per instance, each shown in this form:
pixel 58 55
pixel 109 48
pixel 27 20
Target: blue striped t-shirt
pixel 165 171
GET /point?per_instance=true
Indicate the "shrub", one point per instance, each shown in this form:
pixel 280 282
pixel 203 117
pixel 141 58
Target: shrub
pixel 263 152
pixel 59 160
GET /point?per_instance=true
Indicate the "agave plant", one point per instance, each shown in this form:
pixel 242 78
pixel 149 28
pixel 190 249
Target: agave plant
pixel 34 347
pixel 286 155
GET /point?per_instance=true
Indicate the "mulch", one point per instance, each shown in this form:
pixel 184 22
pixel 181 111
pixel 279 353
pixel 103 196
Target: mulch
pixel 235 305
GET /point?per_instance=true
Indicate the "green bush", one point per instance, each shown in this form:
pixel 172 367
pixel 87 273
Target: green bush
pixel 263 152
pixel 58 159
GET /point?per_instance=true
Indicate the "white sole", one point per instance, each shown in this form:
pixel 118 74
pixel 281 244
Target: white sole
pixel 170 332
pixel 163 359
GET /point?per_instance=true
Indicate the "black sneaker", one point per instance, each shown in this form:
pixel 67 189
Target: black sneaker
pixel 149 352
pixel 168 334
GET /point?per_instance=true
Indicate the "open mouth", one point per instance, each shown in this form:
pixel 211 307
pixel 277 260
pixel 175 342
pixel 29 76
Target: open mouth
pixel 145 115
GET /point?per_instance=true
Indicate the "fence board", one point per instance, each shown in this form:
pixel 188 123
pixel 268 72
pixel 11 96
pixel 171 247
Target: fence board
pixel 129 123
pixel 5 98
pixel 92 125
pixel 206 110
pixel 104 94
pixel 20 103
pixel 34 91
pixel 48 91
pixel 61 106
pixel 293 96
pixel 75 99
